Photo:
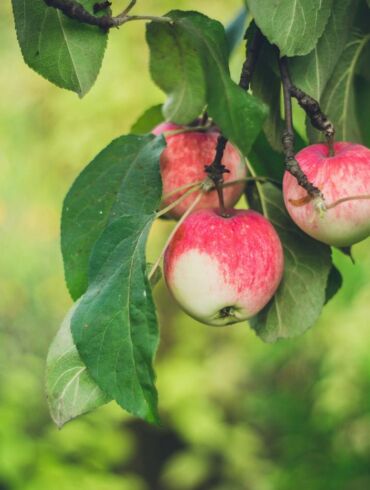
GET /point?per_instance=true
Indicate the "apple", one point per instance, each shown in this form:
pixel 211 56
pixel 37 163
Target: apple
pixel 223 270
pixel 183 161
pixel 346 174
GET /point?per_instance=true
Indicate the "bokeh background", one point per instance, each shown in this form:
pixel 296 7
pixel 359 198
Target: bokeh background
pixel 237 414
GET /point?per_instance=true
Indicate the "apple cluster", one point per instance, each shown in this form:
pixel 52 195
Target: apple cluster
pixel 224 267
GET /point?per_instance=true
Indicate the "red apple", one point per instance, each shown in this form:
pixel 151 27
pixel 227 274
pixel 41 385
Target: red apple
pixel 223 270
pixel 183 161
pixel 343 175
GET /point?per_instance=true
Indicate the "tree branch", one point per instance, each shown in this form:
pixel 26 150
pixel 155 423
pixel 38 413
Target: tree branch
pixel 318 119
pixel 216 169
pixel 74 10
pixel 291 163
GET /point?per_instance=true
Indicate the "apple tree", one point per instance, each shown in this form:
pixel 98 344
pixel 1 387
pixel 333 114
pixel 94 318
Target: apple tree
pixel 213 141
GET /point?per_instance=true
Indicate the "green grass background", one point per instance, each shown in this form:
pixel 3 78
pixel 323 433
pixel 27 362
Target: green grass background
pixel 237 414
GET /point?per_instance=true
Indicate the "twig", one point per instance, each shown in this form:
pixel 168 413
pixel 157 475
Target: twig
pixel 74 10
pixel 251 56
pixel 182 188
pixel 291 163
pixel 177 201
pixel 216 169
pixel 262 180
pixel 318 119
pixel 181 220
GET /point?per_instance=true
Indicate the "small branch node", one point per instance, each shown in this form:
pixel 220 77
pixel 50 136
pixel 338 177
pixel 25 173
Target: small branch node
pixel 318 119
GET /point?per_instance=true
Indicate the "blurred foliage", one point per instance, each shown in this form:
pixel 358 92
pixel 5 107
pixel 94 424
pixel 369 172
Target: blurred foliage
pixel 237 414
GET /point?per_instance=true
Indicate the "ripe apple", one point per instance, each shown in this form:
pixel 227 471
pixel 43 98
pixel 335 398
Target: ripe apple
pixel 345 174
pixel 183 160
pixel 223 270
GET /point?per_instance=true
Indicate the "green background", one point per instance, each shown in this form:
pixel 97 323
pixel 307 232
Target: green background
pixel 237 414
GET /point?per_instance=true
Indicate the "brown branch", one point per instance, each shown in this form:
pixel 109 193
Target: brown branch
pixel 216 169
pixel 74 10
pixel 99 6
pixel 318 119
pixel 291 163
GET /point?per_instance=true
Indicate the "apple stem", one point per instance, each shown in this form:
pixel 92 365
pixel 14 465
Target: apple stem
pixel 288 138
pixel 216 169
pixel 345 199
pixel 330 142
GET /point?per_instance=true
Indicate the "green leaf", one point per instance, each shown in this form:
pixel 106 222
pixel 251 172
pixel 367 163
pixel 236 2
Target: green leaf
pixel 91 204
pixel 363 66
pixel 293 25
pixel 176 68
pixel 224 97
pixel 106 220
pixel 65 52
pixel 362 92
pixel 235 29
pixel 268 162
pixel 70 389
pixel 338 100
pixel 148 120
pixel 206 38
pixel 312 72
pixel 301 295
pixel 335 281
pixel 265 160
pixel 115 327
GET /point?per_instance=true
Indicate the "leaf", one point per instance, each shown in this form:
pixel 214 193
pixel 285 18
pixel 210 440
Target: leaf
pixel 265 160
pixel 362 93
pixel 91 203
pixel 114 326
pixel 338 100
pixel 235 29
pixel 363 66
pixel 293 25
pixel 64 51
pixel 301 295
pixel 335 281
pixel 148 120
pixel 176 68
pixel 312 72
pixel 70 389
pixel 238 114
pixel 268 162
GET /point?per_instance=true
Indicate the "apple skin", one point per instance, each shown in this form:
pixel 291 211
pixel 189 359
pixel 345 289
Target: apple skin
pixel 223 270
pixel 183 161
pixel 345 174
